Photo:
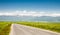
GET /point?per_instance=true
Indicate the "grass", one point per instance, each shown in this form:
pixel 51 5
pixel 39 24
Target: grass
pixel 53 26
pixel 5 28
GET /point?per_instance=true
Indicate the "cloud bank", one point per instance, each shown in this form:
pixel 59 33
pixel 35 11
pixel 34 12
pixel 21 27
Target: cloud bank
pixel 30 13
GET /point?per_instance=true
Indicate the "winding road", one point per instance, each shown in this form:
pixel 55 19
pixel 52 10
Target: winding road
pixel 17 29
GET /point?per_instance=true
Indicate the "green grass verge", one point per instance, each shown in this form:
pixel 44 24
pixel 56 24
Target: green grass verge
pixel 5 28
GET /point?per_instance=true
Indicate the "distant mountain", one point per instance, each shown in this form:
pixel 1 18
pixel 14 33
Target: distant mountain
pixel 29 18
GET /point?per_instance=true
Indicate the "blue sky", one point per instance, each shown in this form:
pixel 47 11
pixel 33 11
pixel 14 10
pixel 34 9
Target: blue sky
pixel 30 5
pixel 51 6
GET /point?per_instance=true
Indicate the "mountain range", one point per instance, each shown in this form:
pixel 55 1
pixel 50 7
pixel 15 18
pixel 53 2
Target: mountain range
pixel 29 18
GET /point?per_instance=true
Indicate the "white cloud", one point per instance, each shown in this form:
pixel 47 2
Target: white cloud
pixel 25 13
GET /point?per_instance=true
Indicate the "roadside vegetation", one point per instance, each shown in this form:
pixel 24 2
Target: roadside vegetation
pixel 5 28
pixel 53 26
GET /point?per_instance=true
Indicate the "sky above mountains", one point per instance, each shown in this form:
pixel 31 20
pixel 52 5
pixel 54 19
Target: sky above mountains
pixel 30 7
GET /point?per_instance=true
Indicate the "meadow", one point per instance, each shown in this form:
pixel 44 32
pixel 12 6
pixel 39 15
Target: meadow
pixel 53 26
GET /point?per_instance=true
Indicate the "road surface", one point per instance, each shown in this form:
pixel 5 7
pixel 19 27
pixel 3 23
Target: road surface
pixel 17 29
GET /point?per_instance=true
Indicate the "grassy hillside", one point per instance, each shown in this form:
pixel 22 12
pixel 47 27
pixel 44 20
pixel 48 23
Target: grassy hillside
pixel 53 26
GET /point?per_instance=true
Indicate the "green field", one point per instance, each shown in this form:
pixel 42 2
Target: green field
pixel 53 26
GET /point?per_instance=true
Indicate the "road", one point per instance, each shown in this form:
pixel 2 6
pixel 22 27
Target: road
pixel 17 29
